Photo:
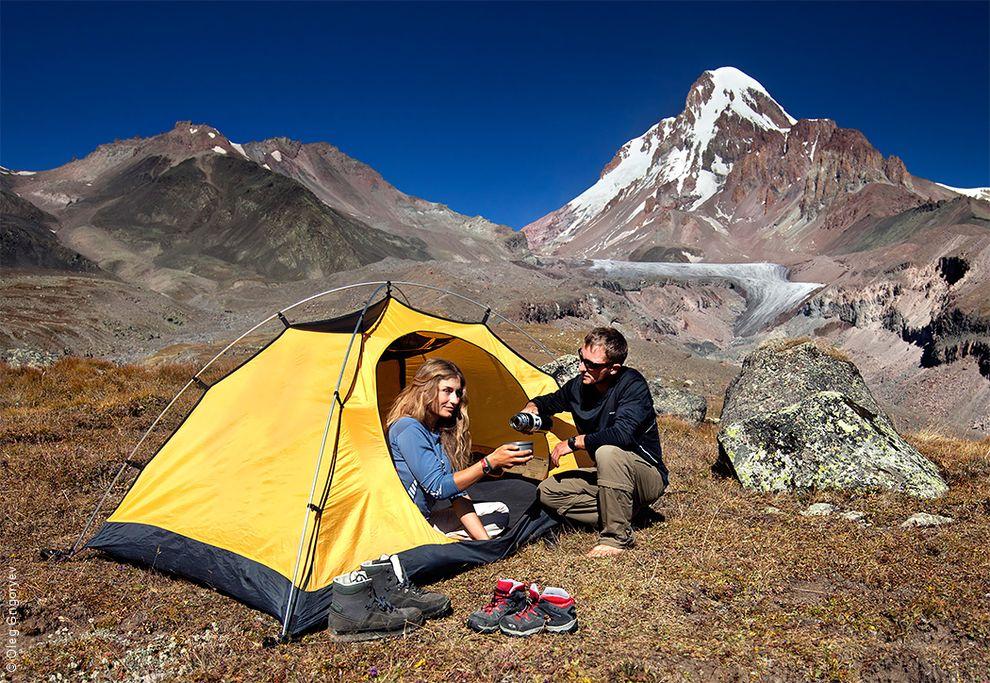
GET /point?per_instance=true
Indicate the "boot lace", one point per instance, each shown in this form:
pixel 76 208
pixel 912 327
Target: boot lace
pixel 381 603
pixel 407 586
pixel 531 609
pixel 499 598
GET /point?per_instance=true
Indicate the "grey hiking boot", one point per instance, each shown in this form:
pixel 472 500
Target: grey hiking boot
pixel 553 610
pixel 508 598
pixel 392 584
pixel 357 613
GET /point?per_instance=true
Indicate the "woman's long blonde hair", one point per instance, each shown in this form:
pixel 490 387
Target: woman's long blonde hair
pixel 416 399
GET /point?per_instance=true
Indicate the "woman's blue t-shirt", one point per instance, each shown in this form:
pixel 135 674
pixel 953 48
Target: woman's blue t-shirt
pixel 422 463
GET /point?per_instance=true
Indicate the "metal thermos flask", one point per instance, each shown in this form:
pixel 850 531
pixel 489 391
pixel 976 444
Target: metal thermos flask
pixel 528 423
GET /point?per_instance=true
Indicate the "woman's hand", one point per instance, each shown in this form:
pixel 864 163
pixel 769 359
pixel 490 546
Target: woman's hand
pixel 508 456
pixel 502 458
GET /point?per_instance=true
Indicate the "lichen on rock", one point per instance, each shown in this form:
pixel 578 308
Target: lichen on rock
pixel 677 402
pixel 562 368
pixel 800 416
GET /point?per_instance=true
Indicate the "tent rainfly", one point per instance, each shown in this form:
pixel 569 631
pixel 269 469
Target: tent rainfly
pixel 280 477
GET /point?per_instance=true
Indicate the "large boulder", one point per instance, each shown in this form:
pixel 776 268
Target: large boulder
pixel 800 416
pixel 677 402
pixel 563 368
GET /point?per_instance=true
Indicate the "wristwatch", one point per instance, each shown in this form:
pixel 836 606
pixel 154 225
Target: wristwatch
pixel 571 443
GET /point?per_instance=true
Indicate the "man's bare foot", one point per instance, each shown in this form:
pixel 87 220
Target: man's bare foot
pixel 605 551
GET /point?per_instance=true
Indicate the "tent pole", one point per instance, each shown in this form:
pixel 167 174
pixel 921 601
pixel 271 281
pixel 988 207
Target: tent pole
pixel 290 603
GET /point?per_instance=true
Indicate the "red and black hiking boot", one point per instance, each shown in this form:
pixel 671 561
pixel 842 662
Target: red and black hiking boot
pixel 552 610
pixel 508 598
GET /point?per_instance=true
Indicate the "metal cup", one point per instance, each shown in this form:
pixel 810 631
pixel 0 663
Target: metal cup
pixel 523 445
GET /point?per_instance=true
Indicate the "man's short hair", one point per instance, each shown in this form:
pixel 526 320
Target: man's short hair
pixel 616 348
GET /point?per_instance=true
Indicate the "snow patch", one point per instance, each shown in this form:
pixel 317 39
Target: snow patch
pixel 239 149
pixel 276 155
pixel 615 238
pixel 212 134
pixel 266 166
pixel 718 227
pixel 731 92
pixel 975 192
pixel 219 150
pixel 635 161
pixel 676 167
pixel 706 186
pixel 193 131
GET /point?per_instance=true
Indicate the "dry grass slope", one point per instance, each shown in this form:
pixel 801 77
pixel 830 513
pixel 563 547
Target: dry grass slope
pixel 724 589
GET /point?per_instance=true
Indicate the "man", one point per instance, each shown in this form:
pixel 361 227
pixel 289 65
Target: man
pixel 617 426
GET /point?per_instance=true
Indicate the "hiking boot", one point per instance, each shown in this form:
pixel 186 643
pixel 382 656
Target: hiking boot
pixel 358 613
pixel 390 582
pixel 552 610
pixel 508 598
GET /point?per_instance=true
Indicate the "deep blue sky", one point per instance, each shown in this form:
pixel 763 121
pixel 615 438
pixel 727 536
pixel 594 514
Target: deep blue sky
pixel 508 111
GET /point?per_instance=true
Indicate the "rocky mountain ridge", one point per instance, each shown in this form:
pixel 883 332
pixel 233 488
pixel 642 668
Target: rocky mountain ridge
pixel 733 177
pixel 28 238
pixel 355 188
pixel 189 211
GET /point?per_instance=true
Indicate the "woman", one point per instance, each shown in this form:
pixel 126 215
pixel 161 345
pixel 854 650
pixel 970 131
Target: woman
pixel 431 448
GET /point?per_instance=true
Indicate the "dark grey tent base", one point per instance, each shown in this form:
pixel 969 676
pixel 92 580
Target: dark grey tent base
pixel 266 590
pixel 528 522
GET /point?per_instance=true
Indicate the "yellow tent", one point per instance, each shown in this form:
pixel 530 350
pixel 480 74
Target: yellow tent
pixel 276 482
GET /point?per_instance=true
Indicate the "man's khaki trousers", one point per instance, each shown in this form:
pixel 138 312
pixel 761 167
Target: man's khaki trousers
pixel 606 496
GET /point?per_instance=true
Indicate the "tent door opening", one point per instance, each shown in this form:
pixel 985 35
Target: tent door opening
pixel 494 395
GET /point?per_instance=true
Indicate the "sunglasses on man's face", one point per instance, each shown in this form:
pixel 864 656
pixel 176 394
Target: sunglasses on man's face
pixel 589 364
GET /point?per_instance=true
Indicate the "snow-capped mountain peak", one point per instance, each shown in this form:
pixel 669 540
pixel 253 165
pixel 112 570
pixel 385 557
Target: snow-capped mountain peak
pixel 729 90
pixel 731 173
pixel 688 156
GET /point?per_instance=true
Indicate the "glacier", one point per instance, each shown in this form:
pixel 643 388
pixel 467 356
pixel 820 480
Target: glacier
pixel 769 292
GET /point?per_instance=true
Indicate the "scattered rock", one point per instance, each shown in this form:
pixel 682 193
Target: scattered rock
pixel 800 416
pixel 677 402
pixel 562 369
pixel 818 510
pixel 854 516
pixel 771 510
pixel 925 519
pixel 28 358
